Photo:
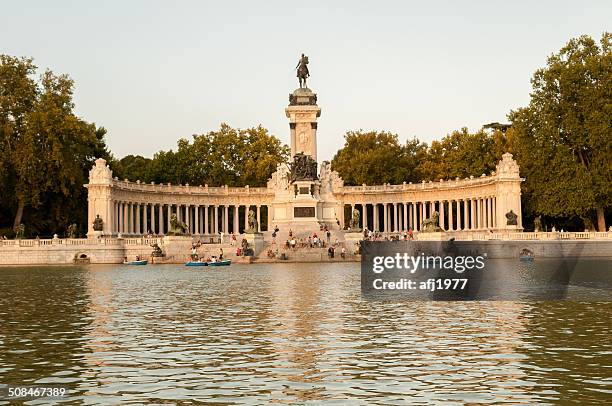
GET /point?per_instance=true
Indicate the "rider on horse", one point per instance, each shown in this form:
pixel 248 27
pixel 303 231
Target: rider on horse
pixel 302 70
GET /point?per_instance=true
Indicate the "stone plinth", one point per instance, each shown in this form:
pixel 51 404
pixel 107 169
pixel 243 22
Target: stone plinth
pixel 256 242
pixel 352 238
pixel 435 236
pixel 176 248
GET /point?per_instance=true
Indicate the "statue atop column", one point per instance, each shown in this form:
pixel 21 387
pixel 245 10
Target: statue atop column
pixel 302 71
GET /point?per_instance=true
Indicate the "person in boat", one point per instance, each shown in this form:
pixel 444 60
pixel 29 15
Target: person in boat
pixel 125 260
pixel 137 257
pixel 220 254
pixel 213 259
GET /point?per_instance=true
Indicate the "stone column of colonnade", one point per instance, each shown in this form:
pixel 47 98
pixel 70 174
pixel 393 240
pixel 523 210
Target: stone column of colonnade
pixel 133 218
pixel 464 214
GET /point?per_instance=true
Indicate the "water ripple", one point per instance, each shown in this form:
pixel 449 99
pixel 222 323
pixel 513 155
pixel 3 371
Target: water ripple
pixel 289 334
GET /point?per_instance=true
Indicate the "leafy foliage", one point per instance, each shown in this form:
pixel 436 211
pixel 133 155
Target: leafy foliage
pixel 377 157
pixel 461 154
pixel 564 135
pixel 227 156
pixel 46 151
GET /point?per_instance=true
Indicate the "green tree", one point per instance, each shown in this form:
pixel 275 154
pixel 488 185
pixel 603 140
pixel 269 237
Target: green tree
pixel 377 157
pixel 564 135
pixel 46 150
pixel 133 167
pixel 462 154
pixel 228 156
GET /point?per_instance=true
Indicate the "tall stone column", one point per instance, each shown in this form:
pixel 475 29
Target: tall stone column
pixel 246 217
pixel 151 217
pixel 124 219
pixel 451 226
pixel 215 219
pixel 258 218
pixel 422 215
pixel 405 207
pixel 206 224
pixel 466 224
pixel 116 217
pixel 269 217
pixel 472 214
pixel 458 225
pixel 413 222
pixel 395 218
pixel 364 215
pixel 235 227
pixel 225 218
pixel 160 220
pixel 119 217
pixel 168 219
pixel 138 230
pixel 145 218
pixel 374 217
pixel 197 219
pixel 442 215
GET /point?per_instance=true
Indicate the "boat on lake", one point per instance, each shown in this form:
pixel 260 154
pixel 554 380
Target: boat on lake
pixel 526 255
pixel 224 262
pixel 196 263
pixel 139 262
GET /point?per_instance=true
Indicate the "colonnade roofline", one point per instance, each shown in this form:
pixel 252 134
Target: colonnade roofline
pixel 125 185
pixel 452 184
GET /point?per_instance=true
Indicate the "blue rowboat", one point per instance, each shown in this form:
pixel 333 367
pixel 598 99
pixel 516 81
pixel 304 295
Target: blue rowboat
pixel 195 263
pixel 225 262
pixel 141 262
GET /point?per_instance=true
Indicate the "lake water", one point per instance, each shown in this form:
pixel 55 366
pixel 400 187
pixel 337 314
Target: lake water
pixel 289 333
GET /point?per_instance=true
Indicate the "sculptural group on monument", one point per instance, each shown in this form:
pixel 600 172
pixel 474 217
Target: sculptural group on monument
pixel 303 167
pixel 431 224
pixel 177 227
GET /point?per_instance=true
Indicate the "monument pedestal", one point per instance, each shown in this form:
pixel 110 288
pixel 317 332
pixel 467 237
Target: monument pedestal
pixel 433 236
pixel 176 248
pixel 256 242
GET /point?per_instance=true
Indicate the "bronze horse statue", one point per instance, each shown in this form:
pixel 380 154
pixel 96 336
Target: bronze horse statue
pixel 302 70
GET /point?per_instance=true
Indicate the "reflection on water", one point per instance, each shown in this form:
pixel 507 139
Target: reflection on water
pixel 286 334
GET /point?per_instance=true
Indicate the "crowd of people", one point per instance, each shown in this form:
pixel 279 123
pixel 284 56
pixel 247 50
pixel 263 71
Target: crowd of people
pixel 405 235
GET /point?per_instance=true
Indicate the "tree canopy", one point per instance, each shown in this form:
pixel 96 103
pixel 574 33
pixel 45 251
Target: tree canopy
pixel 377 157
pixel 564 135
pixel 228 156
pixel 462 154
pixel 46 151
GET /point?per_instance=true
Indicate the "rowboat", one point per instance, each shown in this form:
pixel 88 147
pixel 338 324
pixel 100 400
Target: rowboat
pixel 195 263
pixel 225 262
pixel 526 255
pixel 141 262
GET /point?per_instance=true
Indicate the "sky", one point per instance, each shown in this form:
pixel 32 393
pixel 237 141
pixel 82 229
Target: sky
pixel 154 72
